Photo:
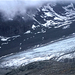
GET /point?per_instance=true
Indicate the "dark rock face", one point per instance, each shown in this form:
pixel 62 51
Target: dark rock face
pixel 58 9
pixel 15 27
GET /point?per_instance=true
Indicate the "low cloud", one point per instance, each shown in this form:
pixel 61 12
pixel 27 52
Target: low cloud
pixel 10 8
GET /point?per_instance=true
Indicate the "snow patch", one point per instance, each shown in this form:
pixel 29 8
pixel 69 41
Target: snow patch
pixel 27 32
pixel 48 14
pixel 33 27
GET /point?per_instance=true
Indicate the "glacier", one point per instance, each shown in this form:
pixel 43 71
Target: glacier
pixel 57 50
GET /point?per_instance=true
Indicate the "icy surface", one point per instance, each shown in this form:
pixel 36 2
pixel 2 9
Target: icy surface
pixel 58 50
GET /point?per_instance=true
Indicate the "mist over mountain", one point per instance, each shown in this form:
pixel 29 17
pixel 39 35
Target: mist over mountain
pixel 10 9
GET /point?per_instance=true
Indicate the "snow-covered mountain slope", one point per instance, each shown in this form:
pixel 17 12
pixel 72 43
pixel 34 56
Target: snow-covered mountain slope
pixel 46 16
pixel 56 16
pixel 51 22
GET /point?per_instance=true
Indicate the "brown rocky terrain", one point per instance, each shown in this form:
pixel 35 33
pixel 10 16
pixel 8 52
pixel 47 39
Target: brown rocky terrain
pixel 48 67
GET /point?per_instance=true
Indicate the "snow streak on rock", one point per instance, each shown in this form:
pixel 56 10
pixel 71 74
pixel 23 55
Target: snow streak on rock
pixel 51 18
